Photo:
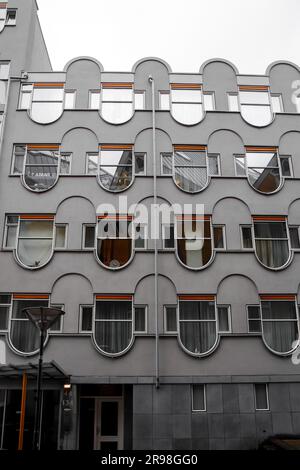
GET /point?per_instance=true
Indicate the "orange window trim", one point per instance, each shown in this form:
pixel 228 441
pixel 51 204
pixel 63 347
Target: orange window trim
pixel 251 148
pixel 115 297
pixel 48 85
pixel 115 217
pixel 31 296
pixel 42 147
pixel 3 5
pixel 269 218
pixel 196 297
pixel 291 297
pixel 253 87
pixel 186 86
pixel 37 216
pixel 117 85
pixel 193 217
pixel 189 147
pixel 116 147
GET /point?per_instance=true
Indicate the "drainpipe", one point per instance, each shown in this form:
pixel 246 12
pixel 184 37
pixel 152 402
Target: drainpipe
pixel 155 231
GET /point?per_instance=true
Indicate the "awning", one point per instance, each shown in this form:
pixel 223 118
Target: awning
pixel 51 371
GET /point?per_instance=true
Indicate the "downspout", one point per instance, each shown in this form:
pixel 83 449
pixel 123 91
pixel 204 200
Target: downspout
pixel 155 231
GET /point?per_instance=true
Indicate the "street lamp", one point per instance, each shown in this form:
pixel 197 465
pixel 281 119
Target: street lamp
pixel 42 318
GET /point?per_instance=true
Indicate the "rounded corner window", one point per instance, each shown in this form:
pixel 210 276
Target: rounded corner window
pixel 114 248
pixel 35 242
pixel 194 246
pixel 41 167
pixel 255 105
pixel 116 167
pixel 113 324
pixel 186 103
pixel 47 102
pixel 197 319
pixel 264 169
pixel 117 102
pixel 190 168
pixel 272 245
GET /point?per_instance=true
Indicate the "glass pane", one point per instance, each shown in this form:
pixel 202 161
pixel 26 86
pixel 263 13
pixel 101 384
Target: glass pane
pixel 191 179
pixel 65 163
pixel 19 305
pixel 198 398
pixel 257 115
pixel 218 237
pixel 140 160
pixel 36 228
pixel 294 237
pixel 109 418
pixel 186 158
pixel 169 236
pixel 11 18
pixel 194 253
pixel 198 337
pixel 254 326
pixel 139 100
pixel 285 166
pixel 116 157
pixel 164 101
pixel 140 319
pixel 94 100
pixel 276 103
pixel 240 166
pixel 253 312
pixel 4 312
pixel 117 112
pixel 280 336
pixel 193 229
pixel 115 178
pixel 247 237
pixel 166 163
pixel 11 236
pixel 89 236
pixel 117 94
pixel 113 337
pixel 261 400
pixel 190 96
pixel 86 318
pixel 48 94
pixel 19 153
pixel 262 159
pixel 114 310
pixel 223 313
pixel 279 310
pixel 208 99
pixel 171 319
pixel 5 298
pixel 196 310
pixel 213 165
pixel 25 100
pixel 273 253
pixel 92 163
pixel 34 252
pixel 254 97
pixel 187 113
pixel 233 102
pixel 40 178
pixel 60 236
pixel 24 336
pixel 114 253
pixel 46 112
pixel 4 71
pixel 266 180
pixel 270 230
pixel 70 100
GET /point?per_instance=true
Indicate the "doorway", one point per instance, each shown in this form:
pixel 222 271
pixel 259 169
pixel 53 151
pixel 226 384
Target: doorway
pixel 109 423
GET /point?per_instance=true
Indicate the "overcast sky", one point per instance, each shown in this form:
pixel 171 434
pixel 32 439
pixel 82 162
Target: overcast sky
pixel 185 33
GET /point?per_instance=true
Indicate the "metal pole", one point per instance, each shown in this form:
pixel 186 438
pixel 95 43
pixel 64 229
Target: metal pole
pixel 155 231
pixel 23 407
pixel 37 415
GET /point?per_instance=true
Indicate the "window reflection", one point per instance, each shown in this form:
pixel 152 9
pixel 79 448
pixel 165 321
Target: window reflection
pixel 255 104
pixel 41 167
pixel 186 103
pixel 190 167
pixel 47 102
pixel 116 167
pixel 194 241
pixel 263 168
pixel 35 240
pixel 117 102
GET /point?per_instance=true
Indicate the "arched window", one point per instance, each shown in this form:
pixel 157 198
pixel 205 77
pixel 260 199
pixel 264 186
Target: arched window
pixel 117 102
pixel 194 240
pixel 113 325
pixel 116 167
pixel 23 334
pixel 271 236
pixel 41 167
pixel 190 167
pixel 114 240
pixel 263 168
pixel 280 323
pixel 197 323
pixel 47 102
pixel 35 240
pixel 186 103
pixel 255 104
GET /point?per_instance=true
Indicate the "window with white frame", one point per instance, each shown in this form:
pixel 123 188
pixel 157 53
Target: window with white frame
pixel 140 318
pixel 92 160
pixel 141 236
pixel 277 104
pixel 116 168
pixel 166 164
pixel 190 167
pixel 240 165
pixel 294 237
pixel 47 102
pixel 254 319
pixel 246 235
pixel 261 397
pixel 194 240
pixel 198 397
pixel 224 318
pixel 168 236
pixel 219 237
pixel 86 318
pixel 264 169
pixel 11 17
pixel 140 163
pixel 88 236
pixel 70 97
pixel 280 323
pixel 117 103
pixel 114 240
pixel 170 319
pixel 61 236
pixel 164 100
pixel 25 96
pixel 286 166
pixel 255 104
pixel 94 99
pixel 186 103
pixel 271 241
pixel 197 324
pixel 113 324
pixel 3 15
pixel 5 304
pixel 4 74
pixel 139 100
pixel 56 327
pixel 214 164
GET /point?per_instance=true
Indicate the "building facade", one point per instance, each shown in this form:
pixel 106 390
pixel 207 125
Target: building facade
pixel 183 341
